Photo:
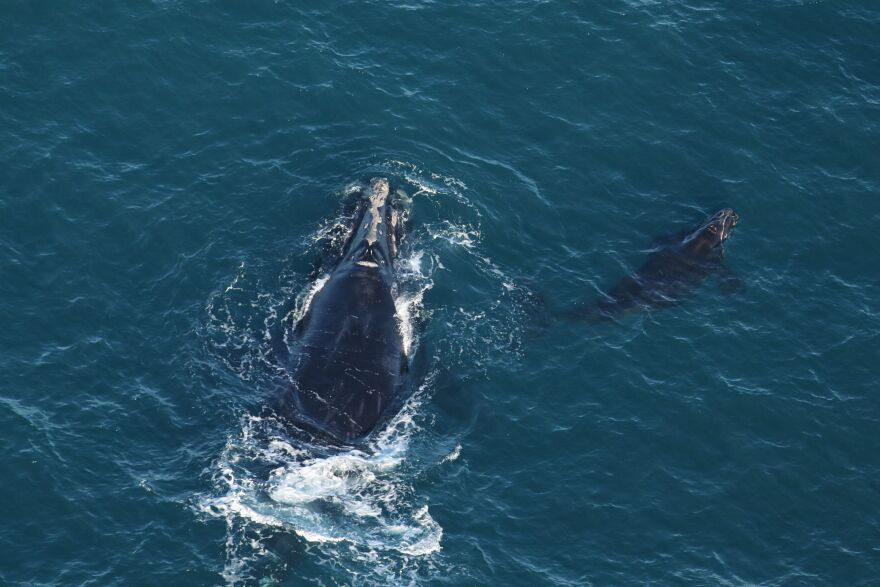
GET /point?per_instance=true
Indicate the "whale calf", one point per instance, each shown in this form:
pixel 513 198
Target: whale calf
pixel 347 363
pixel 678 265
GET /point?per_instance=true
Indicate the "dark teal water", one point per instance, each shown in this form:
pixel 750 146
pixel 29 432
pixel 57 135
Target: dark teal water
pixel 169 171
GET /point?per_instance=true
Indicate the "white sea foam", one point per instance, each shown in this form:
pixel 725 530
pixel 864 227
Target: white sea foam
pixel 452 456
pixel 414 280
pixel 304 299
pixel 461 235
pixel 360 500
pixel 428 183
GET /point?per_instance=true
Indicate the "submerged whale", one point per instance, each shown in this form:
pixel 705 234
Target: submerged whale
pixel 347 363
pixel 677 266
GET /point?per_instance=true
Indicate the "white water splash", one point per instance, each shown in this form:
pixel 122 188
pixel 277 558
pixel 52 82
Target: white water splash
pixel 428 183
pixel 414 280
pixel 304 299
pixel 359 500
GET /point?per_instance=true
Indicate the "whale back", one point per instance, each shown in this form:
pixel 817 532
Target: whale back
pixel 348 362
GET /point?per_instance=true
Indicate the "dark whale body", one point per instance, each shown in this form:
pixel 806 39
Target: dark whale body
pixel 347 362
pixel 678 265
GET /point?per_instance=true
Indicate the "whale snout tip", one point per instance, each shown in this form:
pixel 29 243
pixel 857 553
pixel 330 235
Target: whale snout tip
pixel 727 220
pixel 729 212
pixel 726 217
pixel 379 188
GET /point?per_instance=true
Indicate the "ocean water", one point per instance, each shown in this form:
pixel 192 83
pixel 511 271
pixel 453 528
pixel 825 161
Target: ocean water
pixel 170 172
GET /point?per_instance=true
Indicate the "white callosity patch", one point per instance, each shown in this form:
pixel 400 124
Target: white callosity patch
pixel 377 196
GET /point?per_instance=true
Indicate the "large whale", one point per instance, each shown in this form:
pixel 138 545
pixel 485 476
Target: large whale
pixel 678 265
pixel 347 362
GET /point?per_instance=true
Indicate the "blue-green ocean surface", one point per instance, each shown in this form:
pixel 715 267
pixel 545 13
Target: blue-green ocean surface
pixel 170 171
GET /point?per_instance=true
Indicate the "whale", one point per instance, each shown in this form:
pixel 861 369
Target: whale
pixel 678 265
pixel 347 365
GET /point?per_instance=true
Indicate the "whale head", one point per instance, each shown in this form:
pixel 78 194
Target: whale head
pixel 373 240
pixel 712 233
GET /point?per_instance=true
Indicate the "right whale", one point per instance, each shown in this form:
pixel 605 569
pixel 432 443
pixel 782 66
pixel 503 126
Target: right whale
pixel 346 361
pixel 677 265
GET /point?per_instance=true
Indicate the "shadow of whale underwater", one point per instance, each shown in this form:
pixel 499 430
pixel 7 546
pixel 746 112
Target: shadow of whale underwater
pixel 347 362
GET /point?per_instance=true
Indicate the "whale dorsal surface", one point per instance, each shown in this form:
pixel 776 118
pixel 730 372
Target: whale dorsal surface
pixel 677 266
pixel 347 361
